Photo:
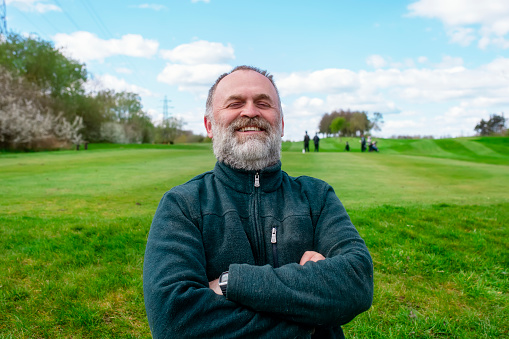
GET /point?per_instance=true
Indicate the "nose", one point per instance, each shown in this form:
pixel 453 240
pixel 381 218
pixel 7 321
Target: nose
pixel 250 110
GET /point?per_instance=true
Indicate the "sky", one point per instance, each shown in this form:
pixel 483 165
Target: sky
pixel 430 67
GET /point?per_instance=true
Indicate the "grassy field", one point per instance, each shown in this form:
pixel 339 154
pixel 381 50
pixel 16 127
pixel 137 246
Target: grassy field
pixel 434 214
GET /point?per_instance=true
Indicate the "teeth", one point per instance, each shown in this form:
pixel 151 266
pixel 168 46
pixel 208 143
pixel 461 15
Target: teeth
pixel 249 129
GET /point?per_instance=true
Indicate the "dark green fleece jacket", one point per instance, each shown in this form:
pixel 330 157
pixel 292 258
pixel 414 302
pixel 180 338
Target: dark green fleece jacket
pixel 257 226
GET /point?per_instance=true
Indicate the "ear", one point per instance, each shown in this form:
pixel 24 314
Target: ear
pixel 282 127
pixel 208 126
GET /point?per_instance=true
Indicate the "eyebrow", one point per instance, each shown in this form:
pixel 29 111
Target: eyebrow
pixel 261 96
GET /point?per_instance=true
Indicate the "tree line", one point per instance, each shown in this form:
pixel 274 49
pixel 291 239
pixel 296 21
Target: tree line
pixel 44 104
pixel 349 123
pixel 355 123
pixel 494 126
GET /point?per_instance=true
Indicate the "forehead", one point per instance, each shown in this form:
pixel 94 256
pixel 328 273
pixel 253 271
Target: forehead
pixel 244 83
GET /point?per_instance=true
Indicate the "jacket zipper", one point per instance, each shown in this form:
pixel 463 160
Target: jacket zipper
pixel 273 240
pixel 259 244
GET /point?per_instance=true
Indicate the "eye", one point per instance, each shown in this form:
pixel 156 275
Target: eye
pixel 263 104
pixel 235 104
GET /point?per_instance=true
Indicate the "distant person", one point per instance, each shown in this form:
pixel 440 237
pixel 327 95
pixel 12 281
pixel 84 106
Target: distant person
pixel 316 140
pixel 245 250
pixel 363 143
pixel 306 142
pixel 372 147
pixel 347 147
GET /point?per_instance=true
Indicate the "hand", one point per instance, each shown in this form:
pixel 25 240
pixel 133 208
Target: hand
pixel 214 286
pixel 311 256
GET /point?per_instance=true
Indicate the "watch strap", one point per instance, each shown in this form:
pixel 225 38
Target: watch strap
pixel 223 282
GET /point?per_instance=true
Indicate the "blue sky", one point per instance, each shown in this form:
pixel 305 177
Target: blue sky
pixel 431 67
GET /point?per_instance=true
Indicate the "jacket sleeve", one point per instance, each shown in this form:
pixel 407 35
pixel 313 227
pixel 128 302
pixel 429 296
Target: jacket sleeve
pixel 178 300
pixel 328 292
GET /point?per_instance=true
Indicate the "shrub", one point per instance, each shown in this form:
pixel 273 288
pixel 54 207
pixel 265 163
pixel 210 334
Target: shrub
pixel 26 122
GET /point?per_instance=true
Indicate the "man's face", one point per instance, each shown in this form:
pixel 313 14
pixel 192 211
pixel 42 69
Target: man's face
pixel 245 94
pixel 247 125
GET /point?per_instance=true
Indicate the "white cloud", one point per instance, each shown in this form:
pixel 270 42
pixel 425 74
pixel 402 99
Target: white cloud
pixel 439 98
pixel 362 102
pixel 200 52
pixel 462 35
pixel 422 59
pixel 86 46
pixel 446 99
pixel 462 12
pixel 33 6
pixel 195 66
pixel 324 81
pixel 491 16
pixel 155 115
pixel 458 120
pixel 192 78
pixel 205 1
pixel 449 62
pixel 307 102
pixel 155 7
pixel 194 120
pixel 376 61
pixel 107 81
pixel 499 41
pixel 124 70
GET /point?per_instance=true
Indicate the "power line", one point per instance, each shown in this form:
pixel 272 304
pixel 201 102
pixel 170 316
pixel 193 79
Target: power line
pixel 107 33
pixel 38 31
pixel 68 16
pixel 50 23
pixel 100 23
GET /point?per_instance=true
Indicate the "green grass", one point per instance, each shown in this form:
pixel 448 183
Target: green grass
pixel 491 150
pixel 73 228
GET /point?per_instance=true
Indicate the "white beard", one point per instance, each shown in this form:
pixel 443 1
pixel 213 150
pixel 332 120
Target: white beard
pixel 249 152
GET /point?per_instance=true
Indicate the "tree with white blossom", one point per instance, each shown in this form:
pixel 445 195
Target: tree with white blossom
pixel 25 121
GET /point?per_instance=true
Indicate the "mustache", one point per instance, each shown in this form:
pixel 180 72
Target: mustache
pixel 242 122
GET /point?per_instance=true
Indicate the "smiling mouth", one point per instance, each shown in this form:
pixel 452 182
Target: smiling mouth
pixel 250 129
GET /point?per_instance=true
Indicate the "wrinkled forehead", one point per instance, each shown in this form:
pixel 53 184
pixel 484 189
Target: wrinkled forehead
pixel 244 83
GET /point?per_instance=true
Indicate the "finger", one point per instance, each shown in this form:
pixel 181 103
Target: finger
pixel 306 256
pixel 317 257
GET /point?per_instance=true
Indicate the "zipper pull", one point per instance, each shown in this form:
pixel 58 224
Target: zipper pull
pixel 273 238
pixel 257 180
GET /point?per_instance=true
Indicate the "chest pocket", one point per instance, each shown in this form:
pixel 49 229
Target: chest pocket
pixel 287 240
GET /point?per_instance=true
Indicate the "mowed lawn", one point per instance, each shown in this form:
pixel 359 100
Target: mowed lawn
pixel 434 215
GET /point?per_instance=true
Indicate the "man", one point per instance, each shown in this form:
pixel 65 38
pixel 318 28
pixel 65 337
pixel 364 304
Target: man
pixel 363 143
pixel 244 250
pixel 306 142
pixel 316 140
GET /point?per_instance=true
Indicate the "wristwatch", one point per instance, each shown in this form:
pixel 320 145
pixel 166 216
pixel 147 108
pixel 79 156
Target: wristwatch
pixel 223 282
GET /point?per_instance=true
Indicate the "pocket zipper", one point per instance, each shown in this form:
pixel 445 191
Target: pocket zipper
pixel 273 240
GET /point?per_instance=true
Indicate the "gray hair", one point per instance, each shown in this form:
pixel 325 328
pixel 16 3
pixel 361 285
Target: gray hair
pixel 212 91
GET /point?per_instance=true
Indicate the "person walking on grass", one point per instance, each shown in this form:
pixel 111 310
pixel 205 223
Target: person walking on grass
pixel 316 141
pixel 306 142
pixel 245 250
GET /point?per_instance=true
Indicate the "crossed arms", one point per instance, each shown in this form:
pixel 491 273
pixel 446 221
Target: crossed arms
pixel 307 256
pixel 331 284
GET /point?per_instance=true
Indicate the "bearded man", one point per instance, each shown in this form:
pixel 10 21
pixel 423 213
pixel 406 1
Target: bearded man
pixel 245 250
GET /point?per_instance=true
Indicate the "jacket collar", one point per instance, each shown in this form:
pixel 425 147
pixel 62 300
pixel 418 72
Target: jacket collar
pixel 244 181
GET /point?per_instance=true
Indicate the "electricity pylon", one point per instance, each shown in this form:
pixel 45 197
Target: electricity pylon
pixel 3 18
pixel 165 108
